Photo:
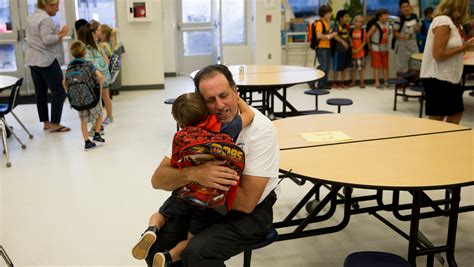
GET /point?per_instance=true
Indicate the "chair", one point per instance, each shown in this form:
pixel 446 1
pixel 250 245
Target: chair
pixel 375 259
pixel 421 97
pixel 316 93
pixel 339 102
pixel 5 107
pixel 270 236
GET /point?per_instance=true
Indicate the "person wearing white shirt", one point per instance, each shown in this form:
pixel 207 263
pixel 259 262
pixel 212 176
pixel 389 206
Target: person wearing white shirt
pixel 442 65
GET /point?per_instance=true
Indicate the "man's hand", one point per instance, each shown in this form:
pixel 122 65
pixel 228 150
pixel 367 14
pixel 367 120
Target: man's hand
pixel 213 174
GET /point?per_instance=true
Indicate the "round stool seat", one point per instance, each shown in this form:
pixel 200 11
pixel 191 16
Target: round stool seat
pixel 316 92
pixel 339 102
pixel 471 93
pixel 170 101
pixel 417 88
pixel 397 81
pixel 375 259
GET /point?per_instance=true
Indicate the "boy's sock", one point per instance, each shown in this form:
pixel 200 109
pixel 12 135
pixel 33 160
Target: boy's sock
pixel 140 250
pixel 98 138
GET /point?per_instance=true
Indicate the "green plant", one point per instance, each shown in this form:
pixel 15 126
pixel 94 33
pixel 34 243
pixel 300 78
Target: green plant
pixel 354 7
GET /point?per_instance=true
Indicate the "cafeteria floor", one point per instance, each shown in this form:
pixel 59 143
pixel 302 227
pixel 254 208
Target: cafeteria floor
pixel 61 206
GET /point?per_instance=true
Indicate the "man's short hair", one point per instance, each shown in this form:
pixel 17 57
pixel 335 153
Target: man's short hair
pixel 401 2
pixel 189 110
pixel 78 49
pixel 211 71
pixel 323 10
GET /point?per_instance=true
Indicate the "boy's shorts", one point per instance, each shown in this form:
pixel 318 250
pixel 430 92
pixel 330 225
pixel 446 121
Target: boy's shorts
pixel 358 63
pixel 92 113
pixel 342 60
pixel 379 59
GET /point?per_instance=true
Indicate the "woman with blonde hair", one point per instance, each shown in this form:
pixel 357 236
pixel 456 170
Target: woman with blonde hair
pixel 442 65
pixel 44 56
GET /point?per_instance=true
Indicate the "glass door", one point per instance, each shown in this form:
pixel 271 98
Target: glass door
pixel 198 35
pixel 11 52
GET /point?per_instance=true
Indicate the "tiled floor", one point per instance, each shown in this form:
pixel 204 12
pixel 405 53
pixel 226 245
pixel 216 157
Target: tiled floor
pixel 62 206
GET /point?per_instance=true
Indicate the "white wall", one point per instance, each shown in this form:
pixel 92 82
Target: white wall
pixel 169 35
pixel 267 48
pixel 143 42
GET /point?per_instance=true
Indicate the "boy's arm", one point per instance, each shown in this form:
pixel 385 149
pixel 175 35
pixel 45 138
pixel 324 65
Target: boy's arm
pixel 246 113
pixel 369 36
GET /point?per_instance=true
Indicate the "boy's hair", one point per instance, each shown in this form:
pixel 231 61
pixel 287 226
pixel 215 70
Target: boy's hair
pixel 84 34
pixel 189 110
pixel 340 14
pixel 211 71
pixel 401 2
pixel 78 49
pixel 427 11
pixel 358 18
pixel 323 10
pixel 381 12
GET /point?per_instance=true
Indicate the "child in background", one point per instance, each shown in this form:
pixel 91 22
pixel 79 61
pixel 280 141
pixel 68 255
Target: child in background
pixel 78 51
pixel 323 51
pixel 343 54
pixel 107 38
pixel 96 55
pixel 358 41
pixel 189 110
pixel 425 25
pixel 404 37
pixel 378 44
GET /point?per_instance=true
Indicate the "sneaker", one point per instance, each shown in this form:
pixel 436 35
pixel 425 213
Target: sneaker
pixel 98 138
pixel 92 131
pixel 162 259
pixel 362 85
pixel 89 145
pixel 140 250
pixel 335 85
pixel 108 120
pixel 379 86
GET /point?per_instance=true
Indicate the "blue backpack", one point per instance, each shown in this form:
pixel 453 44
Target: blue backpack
pixel 82 85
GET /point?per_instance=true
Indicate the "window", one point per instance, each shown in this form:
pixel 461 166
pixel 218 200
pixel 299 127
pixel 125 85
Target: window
pixel 101 10
pixel 391 5
pixel 306 8
pixel 233 22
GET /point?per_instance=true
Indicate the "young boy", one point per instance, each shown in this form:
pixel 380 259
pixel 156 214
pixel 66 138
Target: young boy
pixel 189 111
pixel 78 51
pixel 404 34
pixel 343 53
pixel 378 44
pixel 323 50
pixel 425 25
pixel 357 38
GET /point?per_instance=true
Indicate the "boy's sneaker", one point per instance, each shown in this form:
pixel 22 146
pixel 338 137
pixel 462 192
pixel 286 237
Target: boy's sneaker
pixel 89 145
pixel 98 138
pixel 108 120
pixel 162 259
pixel 92 131
pixel 140 250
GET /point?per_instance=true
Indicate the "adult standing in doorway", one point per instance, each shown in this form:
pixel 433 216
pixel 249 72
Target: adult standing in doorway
pixel 44 56
pixel 442 65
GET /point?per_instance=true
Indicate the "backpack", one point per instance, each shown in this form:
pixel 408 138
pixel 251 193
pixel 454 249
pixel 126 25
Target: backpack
pixel 402 21
pixel 114 67
pixel 193 146
pixel 312 36
pixel 373 22
pixel 366 46
pixel 83 87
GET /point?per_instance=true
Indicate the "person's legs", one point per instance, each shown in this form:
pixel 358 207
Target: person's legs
pixel 385 67
pixel 323 59
pixel 84 131
pixel 173 255
pixel 107 103
pixel 54 77
pixel 156 222
pixel 456 118
pixel 41 96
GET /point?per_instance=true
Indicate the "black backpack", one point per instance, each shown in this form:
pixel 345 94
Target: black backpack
pixel 313 38
pixel 373 22
pixel 402 21
pixel 366 46
pixel 82 85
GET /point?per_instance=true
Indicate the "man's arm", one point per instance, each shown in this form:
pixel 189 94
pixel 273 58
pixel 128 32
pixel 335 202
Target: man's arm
pixel 249 192
pixel 210 174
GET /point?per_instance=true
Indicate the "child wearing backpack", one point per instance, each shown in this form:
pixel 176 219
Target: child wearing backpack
pixel 425 25
pixel 83 85
pixel 192 115
pixel 86 34
pixel 404 37
pixel 358 40
pixel 323 47
pixel 342 51
pixel 108 42
pixel 377 37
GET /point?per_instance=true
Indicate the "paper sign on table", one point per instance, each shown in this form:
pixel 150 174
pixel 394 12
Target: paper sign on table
pixel 326 136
